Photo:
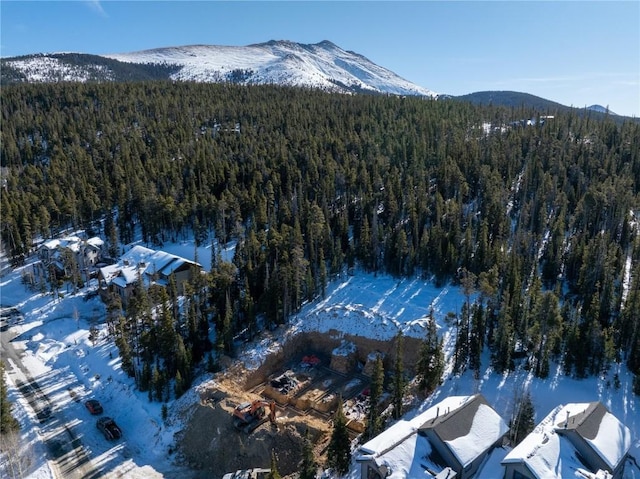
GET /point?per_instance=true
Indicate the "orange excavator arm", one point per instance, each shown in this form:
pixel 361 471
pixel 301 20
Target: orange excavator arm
pixel 262 403
pixel 272 412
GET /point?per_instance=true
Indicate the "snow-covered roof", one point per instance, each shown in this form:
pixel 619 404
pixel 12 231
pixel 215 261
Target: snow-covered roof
pixel 549 454
pixel 469 430
pixel 110 272
pixel 158 261
pixel 50 244
pixel 95 242
pixel 72 243
pixel 487 428
pixel 406 453
pixel 140 260
pixel 607 436
pixel 173 265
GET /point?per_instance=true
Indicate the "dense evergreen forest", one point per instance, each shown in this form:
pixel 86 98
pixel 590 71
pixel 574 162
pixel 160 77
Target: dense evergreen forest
pixel 537 223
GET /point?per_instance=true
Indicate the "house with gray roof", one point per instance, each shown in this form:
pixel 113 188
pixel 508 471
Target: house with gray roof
pixel 58 253
pixel 147 265
pixel 574 437
pixel 449 440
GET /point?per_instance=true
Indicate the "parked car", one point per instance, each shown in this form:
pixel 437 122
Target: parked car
pixel 93 406
pixel 109 428
pixel 44 414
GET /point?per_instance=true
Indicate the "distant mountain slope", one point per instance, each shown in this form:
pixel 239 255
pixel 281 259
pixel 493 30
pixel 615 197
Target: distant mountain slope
pixel 77 67
pixel 322 65
pixel 512 99
pixel 516 99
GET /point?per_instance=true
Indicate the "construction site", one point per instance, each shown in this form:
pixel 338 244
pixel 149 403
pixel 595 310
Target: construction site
pixel 243 415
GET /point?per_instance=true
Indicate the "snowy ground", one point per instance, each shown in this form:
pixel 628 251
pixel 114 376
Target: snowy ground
pixel 54 335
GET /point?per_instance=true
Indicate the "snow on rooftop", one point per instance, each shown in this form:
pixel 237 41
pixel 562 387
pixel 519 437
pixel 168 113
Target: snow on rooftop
pixel 486 429
pixel 137 254
pixel 402 449
pixel 172 266
pixel 51 244
pixel 541 450
pixel 403 428
pixel 159 260
pixel 550 455
pixel 612 441
pixel 95 241
pixel 139 260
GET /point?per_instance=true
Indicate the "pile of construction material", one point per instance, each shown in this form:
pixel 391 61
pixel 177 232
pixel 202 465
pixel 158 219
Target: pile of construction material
pixel 369 366
pixel 344 357
pixel 282 388
pixel 356 410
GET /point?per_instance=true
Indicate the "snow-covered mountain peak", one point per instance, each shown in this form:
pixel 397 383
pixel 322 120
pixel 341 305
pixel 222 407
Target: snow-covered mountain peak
pixel 321 65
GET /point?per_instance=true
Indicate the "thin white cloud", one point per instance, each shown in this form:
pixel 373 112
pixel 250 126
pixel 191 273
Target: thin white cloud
pixel 619 78
pixel 627 83
pixel 96 6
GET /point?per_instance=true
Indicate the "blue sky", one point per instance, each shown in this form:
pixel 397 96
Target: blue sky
pixel 574 52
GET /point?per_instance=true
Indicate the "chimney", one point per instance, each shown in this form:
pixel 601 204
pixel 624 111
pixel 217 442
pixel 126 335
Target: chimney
pixel 567 423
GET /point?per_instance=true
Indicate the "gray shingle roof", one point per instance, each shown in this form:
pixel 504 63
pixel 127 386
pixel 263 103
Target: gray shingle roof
pixel 587 421
pixel 449 425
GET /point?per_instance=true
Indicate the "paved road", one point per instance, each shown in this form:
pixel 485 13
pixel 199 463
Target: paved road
pixel 69 458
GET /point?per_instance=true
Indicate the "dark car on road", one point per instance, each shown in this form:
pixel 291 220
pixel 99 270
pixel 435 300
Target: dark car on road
pixel 109 428
pixel 44 414
pixel 94 406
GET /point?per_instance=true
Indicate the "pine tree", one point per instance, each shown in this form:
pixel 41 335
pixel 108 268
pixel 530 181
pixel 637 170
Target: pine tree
pixel 157 384
pixel 122 342
pixel 339 452
pixel 476 339
pixel 522 422
pixel 431 361
pixel 164 412
pixel 503 338
pixel 399 382
pixel 374 421
pixel 274 474
pixel 178 387
pixel 7 422
pixel 461 352
pixel 308 467
pixel 636 385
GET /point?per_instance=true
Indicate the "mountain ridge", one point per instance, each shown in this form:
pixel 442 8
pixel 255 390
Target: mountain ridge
pixel 321 65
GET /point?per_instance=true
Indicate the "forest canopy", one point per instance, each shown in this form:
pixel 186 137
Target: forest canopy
pixel 538 217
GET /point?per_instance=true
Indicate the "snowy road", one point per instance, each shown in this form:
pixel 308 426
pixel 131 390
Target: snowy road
pixel 67 455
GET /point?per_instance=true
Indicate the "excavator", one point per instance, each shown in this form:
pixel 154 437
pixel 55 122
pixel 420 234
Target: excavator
pixel 249 415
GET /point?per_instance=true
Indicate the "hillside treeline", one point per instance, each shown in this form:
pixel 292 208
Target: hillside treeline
pixel 537 223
